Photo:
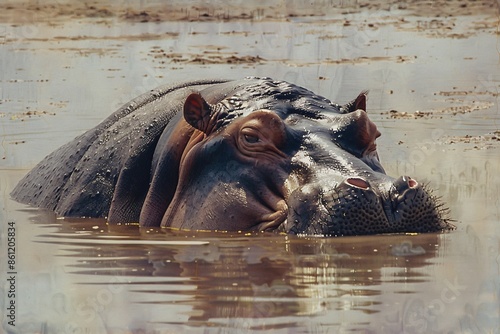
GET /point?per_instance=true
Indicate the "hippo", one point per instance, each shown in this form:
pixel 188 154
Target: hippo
pixel 254 154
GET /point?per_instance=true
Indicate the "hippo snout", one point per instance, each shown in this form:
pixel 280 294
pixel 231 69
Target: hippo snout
pixel 357 206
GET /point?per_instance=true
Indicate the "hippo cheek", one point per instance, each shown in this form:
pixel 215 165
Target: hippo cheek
pixel 356 208
pixel 216 191
pixel 227 207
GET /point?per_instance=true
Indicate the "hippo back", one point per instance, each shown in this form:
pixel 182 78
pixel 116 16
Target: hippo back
pixel 78 179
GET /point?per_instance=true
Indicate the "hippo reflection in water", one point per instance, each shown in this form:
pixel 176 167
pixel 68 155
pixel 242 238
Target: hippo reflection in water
pixel 250 155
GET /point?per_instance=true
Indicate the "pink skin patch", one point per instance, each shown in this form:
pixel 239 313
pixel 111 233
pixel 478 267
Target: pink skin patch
pixel 358 183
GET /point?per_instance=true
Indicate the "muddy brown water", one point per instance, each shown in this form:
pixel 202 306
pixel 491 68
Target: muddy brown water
pixel 434 79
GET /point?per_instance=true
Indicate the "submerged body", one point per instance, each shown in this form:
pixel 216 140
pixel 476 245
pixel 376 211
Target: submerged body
pixel 252 154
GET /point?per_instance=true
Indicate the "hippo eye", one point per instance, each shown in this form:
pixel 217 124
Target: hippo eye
pixel 250 138
pixel 250 134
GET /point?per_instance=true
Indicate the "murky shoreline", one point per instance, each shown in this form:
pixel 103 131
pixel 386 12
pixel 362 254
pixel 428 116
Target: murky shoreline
pixel 434 81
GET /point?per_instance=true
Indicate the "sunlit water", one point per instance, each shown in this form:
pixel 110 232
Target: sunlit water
pixel 82 276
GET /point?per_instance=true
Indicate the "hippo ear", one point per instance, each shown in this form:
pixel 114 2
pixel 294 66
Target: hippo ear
pixel 357 103
pixel 358 134
pixel 197 112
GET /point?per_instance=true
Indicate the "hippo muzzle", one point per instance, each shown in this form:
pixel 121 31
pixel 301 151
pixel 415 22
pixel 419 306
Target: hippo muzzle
pixel 249 155
pixel 357 207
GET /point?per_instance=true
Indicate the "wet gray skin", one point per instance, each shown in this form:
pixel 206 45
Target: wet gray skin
pixel 253 154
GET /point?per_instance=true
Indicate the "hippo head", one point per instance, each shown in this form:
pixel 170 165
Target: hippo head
pixel 269 155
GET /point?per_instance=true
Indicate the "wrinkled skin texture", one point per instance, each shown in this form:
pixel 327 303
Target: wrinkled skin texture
pixel 253 155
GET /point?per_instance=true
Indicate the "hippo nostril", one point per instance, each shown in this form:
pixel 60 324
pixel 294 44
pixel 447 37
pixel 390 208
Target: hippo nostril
pixel 412 183
pixel 404 183
pixel 358 183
